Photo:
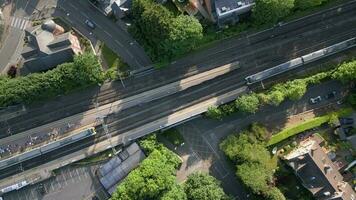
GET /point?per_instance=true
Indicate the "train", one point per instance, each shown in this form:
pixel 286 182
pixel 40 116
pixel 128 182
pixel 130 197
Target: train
pixel 35 152
pixel 300 61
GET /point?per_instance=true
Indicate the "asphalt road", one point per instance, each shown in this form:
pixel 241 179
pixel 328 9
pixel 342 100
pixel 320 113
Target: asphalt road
pixel 76 12
pixel 11 49
pixel 253 57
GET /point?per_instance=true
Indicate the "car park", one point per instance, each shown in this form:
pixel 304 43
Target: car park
pixel 90 24
pixel 315 100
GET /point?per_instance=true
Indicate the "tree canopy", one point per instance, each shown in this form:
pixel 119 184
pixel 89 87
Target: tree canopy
pixel 163 34
pixel 85 70
pixel 248 103
pixel 201 186
pixel 270 11
pixel 345 72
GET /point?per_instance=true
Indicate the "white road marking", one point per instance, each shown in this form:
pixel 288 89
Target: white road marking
pixel 129 54
pixel 85 15
pixel 119 43
pixel 108 33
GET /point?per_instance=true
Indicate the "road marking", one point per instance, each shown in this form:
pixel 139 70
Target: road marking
pixel 73 6
pixel 20 23
pixel 85 15
pixel 108 33
pixel 119 43
pixel 129 54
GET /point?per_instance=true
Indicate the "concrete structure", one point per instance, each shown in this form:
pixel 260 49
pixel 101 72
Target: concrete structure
pixel 229 11
pixel 115 170
pixel 317 172
pixel 47 45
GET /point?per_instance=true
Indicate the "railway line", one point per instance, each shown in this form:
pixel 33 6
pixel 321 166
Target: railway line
pixel 137 116
pixel 250 49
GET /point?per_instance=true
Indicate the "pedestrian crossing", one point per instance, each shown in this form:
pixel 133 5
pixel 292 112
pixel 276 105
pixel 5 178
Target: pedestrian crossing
pixel 20 23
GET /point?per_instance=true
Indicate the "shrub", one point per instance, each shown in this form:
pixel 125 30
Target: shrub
pixel 248 103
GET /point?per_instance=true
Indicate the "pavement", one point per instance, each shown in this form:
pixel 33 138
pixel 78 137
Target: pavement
pixel 12 46
pixel 107 31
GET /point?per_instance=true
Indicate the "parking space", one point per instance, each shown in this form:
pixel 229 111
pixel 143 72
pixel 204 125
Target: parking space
pixel 74 183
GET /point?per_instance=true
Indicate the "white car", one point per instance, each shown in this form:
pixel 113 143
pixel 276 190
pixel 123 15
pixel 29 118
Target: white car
pixel 315 100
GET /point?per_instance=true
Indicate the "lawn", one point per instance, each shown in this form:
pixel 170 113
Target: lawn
pixel 109 56
pixel 173 136
pixel 312 123
pixel 116 66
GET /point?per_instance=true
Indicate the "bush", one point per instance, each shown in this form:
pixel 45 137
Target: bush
pixel 345 72
pixel 214 113
pixel 304 4
pixel 270 11
pixel 84 71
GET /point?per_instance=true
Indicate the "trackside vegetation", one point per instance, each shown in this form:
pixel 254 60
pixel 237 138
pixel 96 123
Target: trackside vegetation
pixel 84 71
pixel 307 125
pixel 155 179
pixel 166 34
pixel 255 167
pixel 290 90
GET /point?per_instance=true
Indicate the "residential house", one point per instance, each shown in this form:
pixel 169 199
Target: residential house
pixel 118 8
pixel 318 173
pixel 47 46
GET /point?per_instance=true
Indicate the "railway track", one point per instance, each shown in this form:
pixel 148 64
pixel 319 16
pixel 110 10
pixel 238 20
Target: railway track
pixel 37 116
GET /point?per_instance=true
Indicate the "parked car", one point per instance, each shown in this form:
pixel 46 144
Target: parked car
pixel 346 121
pixel 315 100
pixel 90 24
pixel 331 95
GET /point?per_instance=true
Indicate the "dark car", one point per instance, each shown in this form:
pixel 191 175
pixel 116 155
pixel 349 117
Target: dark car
pixel 346 121
pixel 90 24
pixel 331 95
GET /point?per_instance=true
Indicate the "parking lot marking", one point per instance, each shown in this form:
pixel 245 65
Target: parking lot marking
pixel 108 33
pixel 76 170
pixel 85 15
pixel 119 43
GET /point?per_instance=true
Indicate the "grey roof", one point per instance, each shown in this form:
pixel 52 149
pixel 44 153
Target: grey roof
pixel 116 169
pixel 232 8
pixel 44 50
pixel 318 173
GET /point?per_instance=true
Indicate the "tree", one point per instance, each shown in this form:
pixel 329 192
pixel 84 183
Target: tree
pixel 176 193
pixel 153 178
pixel 352 99
pixel 345 72
pixel 201 186
pixel 163 34
pixel 270 11
pixel 214 113
pixel 275 194
pixel 254 176
pixel 296 89
pixel 248 103
pixel 275 97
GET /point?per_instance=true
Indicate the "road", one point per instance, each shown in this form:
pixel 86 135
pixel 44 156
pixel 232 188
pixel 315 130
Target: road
pixel 253 55
pixel 117 39
pixel 10 51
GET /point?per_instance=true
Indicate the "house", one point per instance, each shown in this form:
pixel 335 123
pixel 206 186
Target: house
pixel 115 170
pixel 318 173
pixel 47 46
pixel 229 11
pixel 118 8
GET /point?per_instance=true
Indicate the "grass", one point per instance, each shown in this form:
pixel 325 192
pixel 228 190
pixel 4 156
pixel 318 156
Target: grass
pixel 312 123
pixel 116 66
pixel 173 136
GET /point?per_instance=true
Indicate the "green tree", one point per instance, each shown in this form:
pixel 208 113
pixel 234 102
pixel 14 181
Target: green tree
pixel 153 178
pixel 276 97
pixel 296 89
pixel 214 113
pixel 201 186
pixel 275 194
pixel 176 193
pixel 270 11
pixel 254 176
pixel 248 103
pixel 345 72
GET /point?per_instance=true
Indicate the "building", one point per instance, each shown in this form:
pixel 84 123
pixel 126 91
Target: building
pixel 47 46
pixel 229 11
pixel 115 170
pixel 318 173
pixel 118 8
